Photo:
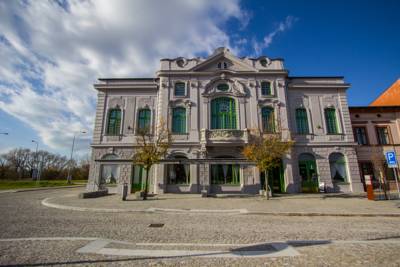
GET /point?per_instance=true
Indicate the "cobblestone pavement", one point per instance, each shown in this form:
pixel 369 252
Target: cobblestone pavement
pixel 323 203
pixel 23 216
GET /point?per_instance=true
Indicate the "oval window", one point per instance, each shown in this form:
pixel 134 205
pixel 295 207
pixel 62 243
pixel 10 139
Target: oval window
pixel 223 87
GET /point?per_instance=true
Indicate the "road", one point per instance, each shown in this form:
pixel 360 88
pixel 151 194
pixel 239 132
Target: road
pixel 34 235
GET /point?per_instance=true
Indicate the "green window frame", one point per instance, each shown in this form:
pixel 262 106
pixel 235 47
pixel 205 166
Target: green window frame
pixel 383 135
pixel 302 121
pixel 144 119
pixel 223 87
pixel 331 121
pixel 179 120
pixel 266 88
pixel 268 119
pixel 180 89
pixel 228 174
pixel 114 122
pixel 223 113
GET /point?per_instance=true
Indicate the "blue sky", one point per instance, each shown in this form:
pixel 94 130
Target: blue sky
pixel 52 54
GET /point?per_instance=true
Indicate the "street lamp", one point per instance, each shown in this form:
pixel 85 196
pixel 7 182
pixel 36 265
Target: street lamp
pixel 69 176
pixel 36 161
pixel 4 133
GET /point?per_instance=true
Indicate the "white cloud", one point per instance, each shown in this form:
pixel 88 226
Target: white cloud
pixel 52 54
pixel 281 27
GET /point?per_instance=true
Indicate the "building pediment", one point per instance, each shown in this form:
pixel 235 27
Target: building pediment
pixel 222 59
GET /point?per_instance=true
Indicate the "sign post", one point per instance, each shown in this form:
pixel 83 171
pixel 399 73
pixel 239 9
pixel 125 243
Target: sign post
pixel 392 163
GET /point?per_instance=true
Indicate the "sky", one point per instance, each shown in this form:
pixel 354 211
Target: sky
pixel 51 52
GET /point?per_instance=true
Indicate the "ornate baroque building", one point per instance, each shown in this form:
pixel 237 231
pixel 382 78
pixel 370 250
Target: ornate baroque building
pixel 210 105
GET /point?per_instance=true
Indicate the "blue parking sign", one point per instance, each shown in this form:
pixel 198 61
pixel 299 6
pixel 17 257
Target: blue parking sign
pixel 391 159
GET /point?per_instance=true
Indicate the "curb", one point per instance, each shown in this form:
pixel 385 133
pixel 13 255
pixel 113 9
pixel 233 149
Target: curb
pixel 46 202
pixel 45 188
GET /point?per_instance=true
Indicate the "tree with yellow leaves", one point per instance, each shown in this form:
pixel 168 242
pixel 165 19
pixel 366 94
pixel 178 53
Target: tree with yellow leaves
pixel 151 149
pixel 266 152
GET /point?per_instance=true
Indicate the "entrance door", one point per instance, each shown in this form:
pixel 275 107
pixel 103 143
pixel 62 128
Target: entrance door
pixel 308 174
pixel 137 178
pixel 275 180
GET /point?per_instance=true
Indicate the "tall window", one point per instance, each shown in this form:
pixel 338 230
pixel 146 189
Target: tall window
pixel 360 134
pixel 223 113
pixel 302 121
pixel 337 163
pixel 265 88
pixel 144 118
pixel 268 120
pixel 114 122
pixel 225 174
pixel 179 120
pixel 383 135
pixel 179 89
pixel 331 122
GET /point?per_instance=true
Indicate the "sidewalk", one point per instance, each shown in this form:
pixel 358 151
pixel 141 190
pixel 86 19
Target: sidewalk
pixel 290 205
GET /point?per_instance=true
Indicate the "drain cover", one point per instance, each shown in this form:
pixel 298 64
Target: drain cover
pixel 156 225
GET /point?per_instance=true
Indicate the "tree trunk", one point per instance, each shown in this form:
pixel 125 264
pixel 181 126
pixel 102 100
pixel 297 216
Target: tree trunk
pixel 266 183
pixel 383 182
pixel 146 185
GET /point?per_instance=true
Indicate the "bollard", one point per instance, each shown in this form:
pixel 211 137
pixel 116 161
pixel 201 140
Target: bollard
pixel 124 191
pixel 370 189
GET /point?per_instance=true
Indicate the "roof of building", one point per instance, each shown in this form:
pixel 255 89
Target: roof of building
pixel 125 79
pixel 390 97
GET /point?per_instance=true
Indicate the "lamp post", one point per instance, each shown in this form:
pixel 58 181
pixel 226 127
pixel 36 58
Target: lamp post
pixel 4 133
pixel 69 176
pixel 36 161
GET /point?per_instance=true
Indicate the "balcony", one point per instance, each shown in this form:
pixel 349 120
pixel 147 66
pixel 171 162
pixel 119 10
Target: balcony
pixel 224 136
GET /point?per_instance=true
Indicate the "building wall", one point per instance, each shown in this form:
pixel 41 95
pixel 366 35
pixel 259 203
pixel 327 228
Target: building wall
pixel 201 144
pixel 373 152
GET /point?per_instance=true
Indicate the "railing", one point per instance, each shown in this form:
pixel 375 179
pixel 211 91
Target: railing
pixel 220 136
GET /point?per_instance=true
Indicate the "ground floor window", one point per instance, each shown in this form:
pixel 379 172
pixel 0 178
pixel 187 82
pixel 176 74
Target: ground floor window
pixel 389 172
pixel 337 163
pixel 109 173
pixel 225 174
pixel 178 174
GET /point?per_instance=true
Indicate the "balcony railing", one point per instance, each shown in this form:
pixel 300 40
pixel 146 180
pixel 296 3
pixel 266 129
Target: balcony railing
pixel 223 136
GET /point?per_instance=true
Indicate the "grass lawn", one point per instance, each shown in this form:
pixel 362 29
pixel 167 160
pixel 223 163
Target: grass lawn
pixel 7 184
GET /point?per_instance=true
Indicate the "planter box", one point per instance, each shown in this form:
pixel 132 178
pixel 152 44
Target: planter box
pixel 94 194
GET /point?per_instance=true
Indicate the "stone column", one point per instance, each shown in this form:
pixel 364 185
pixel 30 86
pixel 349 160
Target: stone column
pixel 159 175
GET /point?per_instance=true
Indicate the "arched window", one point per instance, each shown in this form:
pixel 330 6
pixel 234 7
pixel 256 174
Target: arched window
pixel 268 120
pixel 144 118
pixel 114 122
pixel 337 163
pixel 179 89
pixel 266 88
pixel 223 113
pixel 331 121
pixel 179 120
pixel 302 121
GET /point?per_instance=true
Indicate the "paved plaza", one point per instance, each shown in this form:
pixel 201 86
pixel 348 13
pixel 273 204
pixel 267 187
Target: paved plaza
pixel 258 235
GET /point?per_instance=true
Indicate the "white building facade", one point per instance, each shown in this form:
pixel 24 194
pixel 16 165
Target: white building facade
pixel 210 106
